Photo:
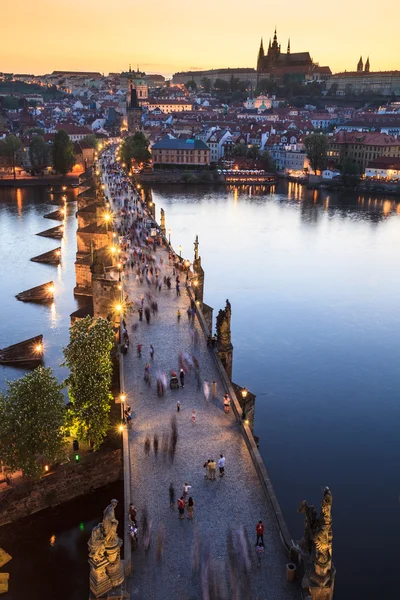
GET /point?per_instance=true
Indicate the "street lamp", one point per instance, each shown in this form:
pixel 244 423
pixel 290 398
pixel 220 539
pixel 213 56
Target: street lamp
pixel 122 398
pixel 107 219
pixel 244 393
pixel 180 251
pixel 169 236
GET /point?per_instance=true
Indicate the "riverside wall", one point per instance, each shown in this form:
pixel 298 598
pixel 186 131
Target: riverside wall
pixel 64 483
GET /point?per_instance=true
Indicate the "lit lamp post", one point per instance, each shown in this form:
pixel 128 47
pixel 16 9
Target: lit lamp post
pixel 169 236
pixel 107 219
pixel 180 251
pixel 244 393
pixel 122 398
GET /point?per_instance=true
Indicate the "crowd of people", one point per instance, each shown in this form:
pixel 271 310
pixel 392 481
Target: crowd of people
pixel 138 241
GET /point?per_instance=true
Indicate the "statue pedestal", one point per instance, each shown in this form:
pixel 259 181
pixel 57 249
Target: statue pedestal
pixel 225 355
pixel 321 584
pixel 99 580
pixel 114 568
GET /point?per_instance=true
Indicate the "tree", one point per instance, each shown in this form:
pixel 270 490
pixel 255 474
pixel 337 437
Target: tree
pixel 39 153
pixel 350 171
pixel 206 84
pixel 239 150
pixel 32 418
pixel 266 157
pixel 253 152
pixel 221 85
pixel 88 358
pixel 10 148
pixel 316 145
pixel 91 140
pixel 191 84
pixel 63 152
pixel 135 148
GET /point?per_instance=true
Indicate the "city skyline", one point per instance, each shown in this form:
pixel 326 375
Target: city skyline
pixel 96 38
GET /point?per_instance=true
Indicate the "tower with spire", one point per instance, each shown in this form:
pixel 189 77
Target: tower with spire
pixel 367 67
pixel 261 55
pixel 360 65
pixel 133 108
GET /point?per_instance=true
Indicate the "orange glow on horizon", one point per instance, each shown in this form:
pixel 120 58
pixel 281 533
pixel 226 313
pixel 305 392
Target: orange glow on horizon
pixel 206 46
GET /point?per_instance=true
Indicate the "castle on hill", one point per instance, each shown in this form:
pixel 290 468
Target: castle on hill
pixel 288 66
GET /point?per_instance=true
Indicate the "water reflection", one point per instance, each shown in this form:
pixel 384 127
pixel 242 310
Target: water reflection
pixel 312 278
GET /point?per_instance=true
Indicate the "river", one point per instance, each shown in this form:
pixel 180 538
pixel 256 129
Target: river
pixel 312 278
pixel 313 282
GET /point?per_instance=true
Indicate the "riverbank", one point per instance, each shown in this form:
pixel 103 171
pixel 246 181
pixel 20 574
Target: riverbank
pixel 365 186
pixel 206 176
pixel 38 181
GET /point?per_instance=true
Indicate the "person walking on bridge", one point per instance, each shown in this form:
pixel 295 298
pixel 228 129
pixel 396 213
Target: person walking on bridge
pixel 260 532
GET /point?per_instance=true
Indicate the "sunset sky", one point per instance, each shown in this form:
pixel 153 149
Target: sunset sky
pixel 167 36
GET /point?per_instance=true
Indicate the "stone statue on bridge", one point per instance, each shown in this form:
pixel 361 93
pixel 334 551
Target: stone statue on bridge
pixel 317 546
pixel 224 326
pixel 106 570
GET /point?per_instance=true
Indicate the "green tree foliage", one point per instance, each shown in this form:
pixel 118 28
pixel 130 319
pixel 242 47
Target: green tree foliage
pixel 63 152
pixel 206 84
pixel 39 153
pixel 266 157
pixel 350 171
pixel 9 102
pixel 191 84
pixel 253 152
pixel 88 358
pixel 91 140
pixel 221 85
pixel 135 148
pixel 316 145
pixel 266 86
pixel 11 148
pixel 35 131
pixel 32 417
pixel 239 150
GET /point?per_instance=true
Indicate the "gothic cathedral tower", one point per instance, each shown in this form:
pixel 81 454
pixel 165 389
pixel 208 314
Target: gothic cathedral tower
pixel 133 110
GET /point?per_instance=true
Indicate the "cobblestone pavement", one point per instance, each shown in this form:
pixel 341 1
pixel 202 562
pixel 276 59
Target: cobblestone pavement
pixel 229 502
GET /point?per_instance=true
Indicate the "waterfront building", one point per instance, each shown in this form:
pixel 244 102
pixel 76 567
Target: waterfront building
pixel 287 67
pixel 384 168
pixel 362 148
pixel 171 151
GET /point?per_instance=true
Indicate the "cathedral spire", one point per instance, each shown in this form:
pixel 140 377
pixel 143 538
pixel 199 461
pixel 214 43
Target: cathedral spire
pixel 130 70
pixel 261 51
pixel 366 68
pixel 360 64
pixel 288 46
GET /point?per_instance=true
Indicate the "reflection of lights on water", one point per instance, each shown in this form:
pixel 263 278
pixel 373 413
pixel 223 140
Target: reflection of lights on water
pixel 53 315
pixel 19 200
pixel 52 540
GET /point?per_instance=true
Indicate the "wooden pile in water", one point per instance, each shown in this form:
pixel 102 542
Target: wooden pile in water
pixel 54 232
pixel 41 293
pixel 53 257
pixel 26 353
pixel 56 215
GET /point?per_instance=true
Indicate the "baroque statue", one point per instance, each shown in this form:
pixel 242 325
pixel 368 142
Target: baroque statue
pixel 224 326
pixel 106 571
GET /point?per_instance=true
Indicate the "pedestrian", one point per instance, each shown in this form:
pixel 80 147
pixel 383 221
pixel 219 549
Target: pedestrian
pixel 171 495
pixel 212 467
pixel 182 377
pixel 181 507
pixel 147 314
pixel 206 390
pixel 227 403
pixel 190 508
pixel 186 489
pixel 155 444
pixel 178 291
pixel 178 316
pixel 214 389
pixel 151 351
pixel 221 465
pixel 194 416
pixel 206 469
pixel 260 532
pixel 178 406
pixel 147 446
pixel 139 350
pixel 140 314
pixel 259 553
